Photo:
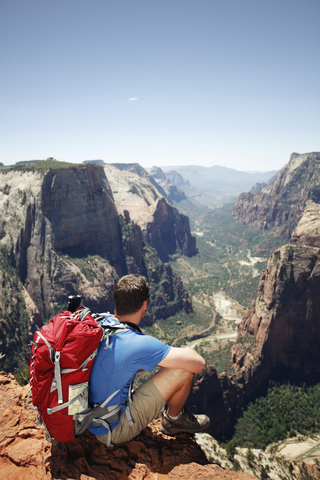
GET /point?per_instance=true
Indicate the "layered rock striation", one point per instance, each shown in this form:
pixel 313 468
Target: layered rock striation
pixel 307 232
pixel 280 334
pixel 51 215
pixel 280 204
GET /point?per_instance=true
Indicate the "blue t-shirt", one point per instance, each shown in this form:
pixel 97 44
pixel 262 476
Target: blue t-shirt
pixel 116 367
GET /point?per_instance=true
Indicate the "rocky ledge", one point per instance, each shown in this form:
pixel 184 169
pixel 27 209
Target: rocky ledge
pixel 26 455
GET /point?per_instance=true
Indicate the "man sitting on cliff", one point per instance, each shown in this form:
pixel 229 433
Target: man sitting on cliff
pixel 115 368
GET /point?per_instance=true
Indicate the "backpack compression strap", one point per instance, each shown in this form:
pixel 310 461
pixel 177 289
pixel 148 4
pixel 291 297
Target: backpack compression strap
pixel 100 416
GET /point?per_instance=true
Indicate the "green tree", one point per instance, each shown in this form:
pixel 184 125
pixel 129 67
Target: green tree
pixel 264 474
pixel 231 449
pixel 250 457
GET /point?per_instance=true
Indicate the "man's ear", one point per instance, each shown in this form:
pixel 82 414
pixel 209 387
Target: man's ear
pixel 143 309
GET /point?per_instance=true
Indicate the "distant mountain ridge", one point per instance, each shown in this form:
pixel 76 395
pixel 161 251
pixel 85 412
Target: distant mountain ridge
pixel 209 186
pixel 199 175
pixel 212 186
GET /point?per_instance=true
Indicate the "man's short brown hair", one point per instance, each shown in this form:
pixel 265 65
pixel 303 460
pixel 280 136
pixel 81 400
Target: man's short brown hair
pixel 129 293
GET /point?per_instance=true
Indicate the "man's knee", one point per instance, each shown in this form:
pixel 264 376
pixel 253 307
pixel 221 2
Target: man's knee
pixel 169 380
pixel 176 375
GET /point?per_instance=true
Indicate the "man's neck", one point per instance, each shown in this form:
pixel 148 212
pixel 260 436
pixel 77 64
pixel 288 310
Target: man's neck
pixel 134 318
pixel 127 319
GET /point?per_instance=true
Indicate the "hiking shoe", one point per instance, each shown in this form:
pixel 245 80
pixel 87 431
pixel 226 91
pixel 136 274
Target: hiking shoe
pixel 185 423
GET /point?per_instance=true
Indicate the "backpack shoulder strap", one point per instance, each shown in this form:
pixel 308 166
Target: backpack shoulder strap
pixel 84 313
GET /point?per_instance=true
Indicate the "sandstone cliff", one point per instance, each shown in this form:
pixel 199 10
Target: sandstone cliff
pixel 68 229
pixel 18 316
pixel 162 226
pixel 307 231
pixel 278 337
pixel 168 183
pixel 48 215
pixel 25 454
pixel 219 397
pixel 280 204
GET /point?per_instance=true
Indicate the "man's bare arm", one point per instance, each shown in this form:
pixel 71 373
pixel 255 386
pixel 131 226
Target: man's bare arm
pixel 185 359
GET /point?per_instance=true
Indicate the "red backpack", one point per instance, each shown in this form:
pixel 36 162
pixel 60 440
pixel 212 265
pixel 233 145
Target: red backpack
pixel 62 356
pixel 61 360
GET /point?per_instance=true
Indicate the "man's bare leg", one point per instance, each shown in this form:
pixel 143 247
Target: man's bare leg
pixel 174 385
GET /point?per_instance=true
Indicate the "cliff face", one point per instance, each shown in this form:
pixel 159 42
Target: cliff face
pixel 25 454
pixel 162 226
pixel 168 183
pixel 280 204
pixel 218 397
pixel 48 214
pixel 18 317
pixel 280 334
pixel 66 231
pixel 278 337
pixel 307 231
pixel 79 206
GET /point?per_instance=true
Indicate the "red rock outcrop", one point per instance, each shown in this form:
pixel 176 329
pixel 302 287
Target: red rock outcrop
pixel 26 455
pixel 279 205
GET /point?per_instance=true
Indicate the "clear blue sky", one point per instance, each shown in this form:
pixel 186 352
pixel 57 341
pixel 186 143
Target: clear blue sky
pixel 171 82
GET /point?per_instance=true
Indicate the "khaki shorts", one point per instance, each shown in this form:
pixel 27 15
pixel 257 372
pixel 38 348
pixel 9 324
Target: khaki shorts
pixel 146 403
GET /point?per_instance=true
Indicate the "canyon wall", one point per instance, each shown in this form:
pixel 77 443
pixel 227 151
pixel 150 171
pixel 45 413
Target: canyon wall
pixel 78 230
pixel 168 182
pixel 279 205
pixel 278 337
pixel 162 226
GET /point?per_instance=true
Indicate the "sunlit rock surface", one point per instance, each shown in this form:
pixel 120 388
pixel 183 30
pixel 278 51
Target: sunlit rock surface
pixel 25 454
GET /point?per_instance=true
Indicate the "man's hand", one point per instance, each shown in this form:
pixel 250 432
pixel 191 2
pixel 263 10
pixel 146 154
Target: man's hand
pixel 183 358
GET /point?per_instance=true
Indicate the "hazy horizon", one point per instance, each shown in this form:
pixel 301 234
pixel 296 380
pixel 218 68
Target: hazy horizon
pixel 163 167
